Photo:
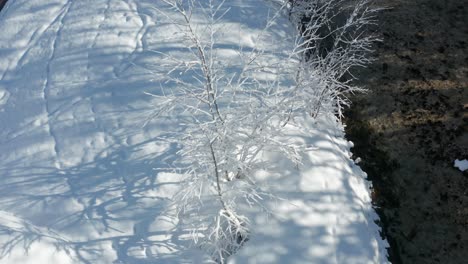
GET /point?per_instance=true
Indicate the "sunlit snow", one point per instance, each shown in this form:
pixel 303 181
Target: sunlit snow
pixel 83 180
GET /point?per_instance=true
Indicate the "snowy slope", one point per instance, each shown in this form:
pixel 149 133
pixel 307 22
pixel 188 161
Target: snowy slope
pixel 83 181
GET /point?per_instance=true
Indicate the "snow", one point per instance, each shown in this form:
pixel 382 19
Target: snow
pixel 83 181
pixel 462 165
pixel 327 216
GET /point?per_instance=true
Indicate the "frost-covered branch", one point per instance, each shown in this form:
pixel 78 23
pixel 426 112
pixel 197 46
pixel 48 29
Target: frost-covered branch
pixel 233 111
pixel 335 39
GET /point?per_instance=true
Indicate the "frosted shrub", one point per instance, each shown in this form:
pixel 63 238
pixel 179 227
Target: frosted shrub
pixel 230 117
pixel 335 40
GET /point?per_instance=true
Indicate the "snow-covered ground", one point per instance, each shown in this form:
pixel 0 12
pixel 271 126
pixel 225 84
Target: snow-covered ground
pixel 83 181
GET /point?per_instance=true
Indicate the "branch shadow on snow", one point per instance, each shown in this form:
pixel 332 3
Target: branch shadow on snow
pixel 112 198
pixel 321 213
pixel 77 168
pixel 108 195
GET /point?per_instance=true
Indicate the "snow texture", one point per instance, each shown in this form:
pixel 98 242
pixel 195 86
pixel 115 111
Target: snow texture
pixel 462 165
pixel 83 181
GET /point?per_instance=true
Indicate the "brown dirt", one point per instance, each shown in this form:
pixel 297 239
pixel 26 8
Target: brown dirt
pixel 413 124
